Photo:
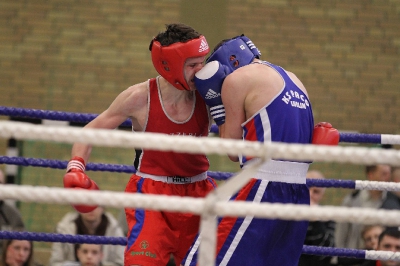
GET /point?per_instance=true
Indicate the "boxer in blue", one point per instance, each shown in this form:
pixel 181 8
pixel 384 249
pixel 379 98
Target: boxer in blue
pixel 255 100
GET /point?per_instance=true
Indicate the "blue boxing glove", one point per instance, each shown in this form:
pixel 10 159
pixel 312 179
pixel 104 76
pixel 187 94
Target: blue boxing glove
pixel 208 82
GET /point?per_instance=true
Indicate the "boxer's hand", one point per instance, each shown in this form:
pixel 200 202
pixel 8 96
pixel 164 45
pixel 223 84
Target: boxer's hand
pixel 209 83
pixel 325 134
pixel 76 178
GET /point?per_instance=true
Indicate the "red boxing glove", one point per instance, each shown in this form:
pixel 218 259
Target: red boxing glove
pixel 76 178
pixel 325 134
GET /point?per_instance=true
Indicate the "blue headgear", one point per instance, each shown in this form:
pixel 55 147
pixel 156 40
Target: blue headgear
pixel 235 53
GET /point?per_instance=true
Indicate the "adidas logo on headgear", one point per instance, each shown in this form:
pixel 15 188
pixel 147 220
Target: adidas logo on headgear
pixel 212 94
pixel 251 45
pixel 203 46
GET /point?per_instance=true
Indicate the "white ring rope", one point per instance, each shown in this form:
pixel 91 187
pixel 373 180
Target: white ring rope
pixel 390 139
pixel 377 185
pixel 215 203
pixel 382 255
pixel 53 195
pixel 188 144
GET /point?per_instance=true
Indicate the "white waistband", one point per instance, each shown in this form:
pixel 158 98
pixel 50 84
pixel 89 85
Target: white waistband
pixel 174 179
pixel 282 171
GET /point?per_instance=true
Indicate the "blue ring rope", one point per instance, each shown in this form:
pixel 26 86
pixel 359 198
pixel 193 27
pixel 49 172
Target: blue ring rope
pixel 130 169
pixel 86 117
pixel 103 240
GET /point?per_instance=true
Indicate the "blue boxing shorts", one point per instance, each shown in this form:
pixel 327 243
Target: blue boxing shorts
pixel 254 241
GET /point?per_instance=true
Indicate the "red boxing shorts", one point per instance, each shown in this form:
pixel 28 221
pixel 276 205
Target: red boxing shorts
pixel 154 235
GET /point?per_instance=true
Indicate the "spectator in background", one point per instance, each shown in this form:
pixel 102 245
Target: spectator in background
pixel 17 253
pixel 389 240
pixel 319 233
pixel 392 201
pixel 97 222
pixel 87 255
pixel 10 217
pixel 348 235
pixel 370 235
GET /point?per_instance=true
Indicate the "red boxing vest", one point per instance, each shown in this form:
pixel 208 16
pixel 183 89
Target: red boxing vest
pixel 165 163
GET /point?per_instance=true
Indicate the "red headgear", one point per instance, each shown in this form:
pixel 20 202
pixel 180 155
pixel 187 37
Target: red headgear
pixel 169 60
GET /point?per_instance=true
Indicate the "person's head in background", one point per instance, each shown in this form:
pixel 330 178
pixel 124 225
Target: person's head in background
pixel 370 235
pixel 389 240
pixel 378 172
pixel 17 253
pixel 89 254
pixel 316 193
pixel 93 217
pixel 91 222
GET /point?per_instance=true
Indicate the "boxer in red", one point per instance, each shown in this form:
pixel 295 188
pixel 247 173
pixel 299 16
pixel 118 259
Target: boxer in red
pixel 167 104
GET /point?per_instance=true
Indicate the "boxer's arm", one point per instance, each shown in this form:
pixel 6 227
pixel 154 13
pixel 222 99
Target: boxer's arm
pixel 233 97
pixel 128 104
